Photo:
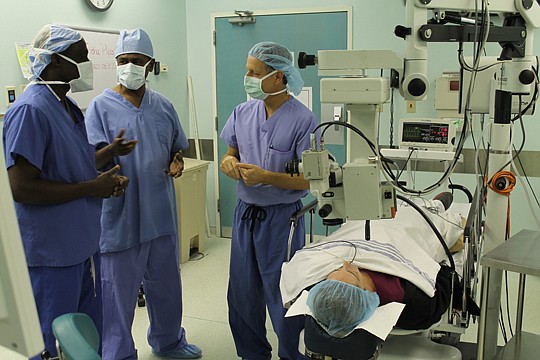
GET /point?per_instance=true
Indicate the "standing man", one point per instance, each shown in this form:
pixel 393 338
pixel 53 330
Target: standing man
pixel 54 181
pixel 263 134
pixel 139 238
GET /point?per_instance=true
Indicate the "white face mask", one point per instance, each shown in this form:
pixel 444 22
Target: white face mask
pixel 85 81
pixel 254 89
pixel 131 76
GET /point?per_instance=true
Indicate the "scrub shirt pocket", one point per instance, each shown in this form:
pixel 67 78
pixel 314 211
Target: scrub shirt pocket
pixel 276 160
pixel 164 133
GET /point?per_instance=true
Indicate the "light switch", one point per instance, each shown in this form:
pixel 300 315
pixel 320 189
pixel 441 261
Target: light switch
pixel 10 95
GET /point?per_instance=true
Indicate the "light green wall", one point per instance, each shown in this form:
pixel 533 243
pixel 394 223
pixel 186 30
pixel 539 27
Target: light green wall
pixel 164 20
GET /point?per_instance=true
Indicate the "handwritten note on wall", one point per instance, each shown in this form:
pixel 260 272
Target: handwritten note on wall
pixel 101 51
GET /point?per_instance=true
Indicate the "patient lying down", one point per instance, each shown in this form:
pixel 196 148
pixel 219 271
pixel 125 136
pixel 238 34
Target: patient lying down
pixel 350 277
pixel 340 303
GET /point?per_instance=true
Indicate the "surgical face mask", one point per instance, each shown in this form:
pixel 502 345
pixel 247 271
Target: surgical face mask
pixel 131 76
pixel 85 82
pixel 254 89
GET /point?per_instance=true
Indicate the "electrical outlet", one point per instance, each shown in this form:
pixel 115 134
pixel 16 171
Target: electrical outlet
pixel 164 67
pixel 411 106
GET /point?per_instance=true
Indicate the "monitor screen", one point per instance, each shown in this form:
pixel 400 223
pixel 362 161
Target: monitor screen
pixel 19 322
pixel 427 134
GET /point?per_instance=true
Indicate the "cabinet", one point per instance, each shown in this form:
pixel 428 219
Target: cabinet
pixel 519 254
pixel 191 204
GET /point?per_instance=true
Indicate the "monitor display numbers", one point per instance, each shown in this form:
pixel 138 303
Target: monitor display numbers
pixel 425 133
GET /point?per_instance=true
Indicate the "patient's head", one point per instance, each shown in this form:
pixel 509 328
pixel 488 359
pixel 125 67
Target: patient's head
pixel 339 306
pixel 352 275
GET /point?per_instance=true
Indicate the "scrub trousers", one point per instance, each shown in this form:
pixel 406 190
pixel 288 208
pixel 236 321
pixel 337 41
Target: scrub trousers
pixel 258 249
pixel 155 263
pixel 63 290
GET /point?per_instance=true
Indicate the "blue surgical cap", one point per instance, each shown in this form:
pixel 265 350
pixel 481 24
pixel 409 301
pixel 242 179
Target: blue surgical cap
pixel 134 41
pixel 279 58
pixel 50 39
pixel 339 307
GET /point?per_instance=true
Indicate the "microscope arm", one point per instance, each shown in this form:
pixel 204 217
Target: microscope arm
pixel 520 18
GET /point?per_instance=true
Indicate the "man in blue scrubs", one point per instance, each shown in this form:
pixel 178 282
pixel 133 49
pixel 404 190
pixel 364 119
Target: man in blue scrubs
pixel 263 134
pixel 54 181
pixel 139 238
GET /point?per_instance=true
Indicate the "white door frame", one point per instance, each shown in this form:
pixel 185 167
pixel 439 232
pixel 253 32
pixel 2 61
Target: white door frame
pixel 214 16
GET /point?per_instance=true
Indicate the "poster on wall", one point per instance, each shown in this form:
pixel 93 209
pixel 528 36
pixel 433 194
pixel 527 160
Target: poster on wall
pixel 22 56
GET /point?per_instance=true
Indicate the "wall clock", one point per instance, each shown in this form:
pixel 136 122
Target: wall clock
pixel 100 5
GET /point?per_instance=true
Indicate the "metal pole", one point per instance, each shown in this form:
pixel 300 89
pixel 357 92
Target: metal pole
pixel 289 241
pixel 521 298
pixel 489 313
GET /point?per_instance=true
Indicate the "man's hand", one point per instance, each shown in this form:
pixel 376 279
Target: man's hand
pixel 176 166
pixel 119 146
pixel 229 168
pixel 251 174
pixel 119 189
pixel 108 183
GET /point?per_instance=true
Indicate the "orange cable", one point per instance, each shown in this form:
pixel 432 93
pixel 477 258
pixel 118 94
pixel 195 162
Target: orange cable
pixel 511 182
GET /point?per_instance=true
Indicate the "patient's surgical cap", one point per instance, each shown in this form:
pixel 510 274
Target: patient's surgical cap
pixel 339 307
pixel 279 58
pixel 50 39
pixel 134 41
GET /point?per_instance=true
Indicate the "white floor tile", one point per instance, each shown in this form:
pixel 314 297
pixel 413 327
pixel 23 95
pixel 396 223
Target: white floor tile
pixel 11 355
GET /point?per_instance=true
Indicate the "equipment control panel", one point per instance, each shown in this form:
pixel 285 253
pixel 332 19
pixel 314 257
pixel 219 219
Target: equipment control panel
pixel 428 134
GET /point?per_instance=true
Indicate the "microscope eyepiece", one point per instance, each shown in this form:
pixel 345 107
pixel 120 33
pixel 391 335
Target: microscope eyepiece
pixel 305 60
pixel 293 167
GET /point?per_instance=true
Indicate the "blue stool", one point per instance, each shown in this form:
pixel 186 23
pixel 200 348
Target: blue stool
pixel 76 336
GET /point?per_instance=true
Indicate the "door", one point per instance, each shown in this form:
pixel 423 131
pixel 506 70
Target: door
pixel 297 32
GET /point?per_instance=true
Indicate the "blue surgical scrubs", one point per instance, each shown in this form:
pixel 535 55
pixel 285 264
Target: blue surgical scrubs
pixel 139 237
pixel 261 226
pixel 60 239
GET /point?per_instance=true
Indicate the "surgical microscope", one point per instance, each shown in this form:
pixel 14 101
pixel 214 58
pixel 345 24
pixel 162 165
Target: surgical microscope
pixel 353 191
pixel 357 190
